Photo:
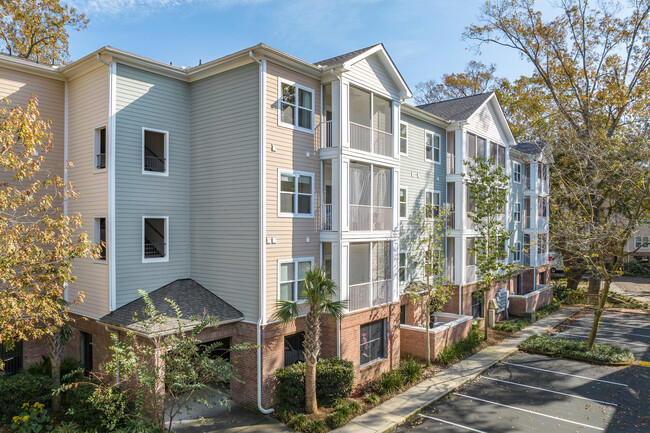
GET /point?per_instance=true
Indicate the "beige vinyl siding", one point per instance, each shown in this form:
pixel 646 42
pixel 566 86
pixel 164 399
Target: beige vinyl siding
pixel 87 110
pixel 224 197
pixel 371 73
pixel 484 123
pixel 145 99
pixel 291 147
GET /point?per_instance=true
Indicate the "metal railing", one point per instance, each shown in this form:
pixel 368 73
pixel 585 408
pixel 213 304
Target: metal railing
pixel 450 273
pixel 381 217
pixel 154 249
pixel 326 216
pixel 368 140
pixel 451 163
pixel 471 273
pixel 527 183
pixel 154 163
pixel 327 134
pixel 366 295
pixel 101 161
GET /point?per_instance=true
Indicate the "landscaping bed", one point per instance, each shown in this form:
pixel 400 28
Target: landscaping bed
pixel 602 354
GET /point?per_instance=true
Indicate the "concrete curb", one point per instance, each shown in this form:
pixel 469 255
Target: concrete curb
pixel 406 405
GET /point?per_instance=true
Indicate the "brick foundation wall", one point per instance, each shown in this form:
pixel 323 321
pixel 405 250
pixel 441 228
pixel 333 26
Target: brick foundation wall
pixel 413 339
pixel 530 302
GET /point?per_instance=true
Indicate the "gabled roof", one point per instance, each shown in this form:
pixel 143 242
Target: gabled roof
pixel 458 109
pixel 340 59
pixel 192 299
pixel 534 149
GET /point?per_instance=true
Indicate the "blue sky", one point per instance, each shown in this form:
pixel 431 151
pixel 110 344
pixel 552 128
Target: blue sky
pixel 422 36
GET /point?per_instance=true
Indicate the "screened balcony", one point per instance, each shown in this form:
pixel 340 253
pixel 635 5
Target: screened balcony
pixel 371 123
pixel 370 197
pixel 327 210
pixel 370 282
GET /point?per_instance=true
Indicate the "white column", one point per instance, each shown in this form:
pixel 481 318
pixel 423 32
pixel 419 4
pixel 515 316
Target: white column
pixel 395 118
pixel 336 113
pixel 345 141
pixel 344 208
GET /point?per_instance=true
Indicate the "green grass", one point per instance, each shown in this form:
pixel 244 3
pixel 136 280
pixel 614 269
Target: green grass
pixel 512 325
pixel 461 349
pixel 561 348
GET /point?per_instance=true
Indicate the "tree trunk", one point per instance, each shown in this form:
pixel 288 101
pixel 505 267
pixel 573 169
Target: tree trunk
pixel 594 288
pixel 485 314
pixel 598 313
pixel 428 327
pixel 573 277
pixel 55 346
pixel 311 348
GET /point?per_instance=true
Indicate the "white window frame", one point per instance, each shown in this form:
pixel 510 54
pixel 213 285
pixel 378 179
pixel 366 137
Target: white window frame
pixel 295 261
pixel 399 209
pixel 641 242
pixel 517 206
pixel 406 267
pixel 433 147
pixel 518 250
pixel 295 173
pixel 167 249
pixel 96 145
pixel 166 134
pixel 433 202
pixel 515 172
pixel 407 139
pixel 96 237
pixel 295 126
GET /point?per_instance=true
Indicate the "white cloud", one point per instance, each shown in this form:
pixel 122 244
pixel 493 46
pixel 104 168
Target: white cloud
pixel 148 7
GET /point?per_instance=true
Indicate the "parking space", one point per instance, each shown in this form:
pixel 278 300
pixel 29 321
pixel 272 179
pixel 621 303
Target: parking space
pixel 528 392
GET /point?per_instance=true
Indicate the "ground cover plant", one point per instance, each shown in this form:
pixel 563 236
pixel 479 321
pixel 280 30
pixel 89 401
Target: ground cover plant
pixel 547 344
pixel 461 349
pixel 512 325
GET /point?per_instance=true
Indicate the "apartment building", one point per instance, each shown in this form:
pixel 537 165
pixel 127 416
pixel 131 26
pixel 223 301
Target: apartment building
pixel 218 185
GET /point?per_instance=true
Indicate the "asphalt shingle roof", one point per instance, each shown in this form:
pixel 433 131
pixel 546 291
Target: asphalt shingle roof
pixel 192 299
pixel 531 148
pixel 337 60
pixel 457 109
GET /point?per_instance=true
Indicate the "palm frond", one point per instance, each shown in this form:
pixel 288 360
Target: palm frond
pixel 287 311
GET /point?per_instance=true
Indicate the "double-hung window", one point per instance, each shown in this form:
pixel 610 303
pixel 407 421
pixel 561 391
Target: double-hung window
pixel 296 194
pixel 432 147
pixel 373 341
pixel 402 267
pixel 516 172
pixel 292 278
pixel 403 138
pixel 642 242
pixel 517 209
pixel 432 204
pixel 517 252
pixel 296 106
pixel 402 203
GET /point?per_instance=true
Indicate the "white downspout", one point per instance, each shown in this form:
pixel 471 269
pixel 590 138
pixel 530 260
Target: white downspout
pixel 262 234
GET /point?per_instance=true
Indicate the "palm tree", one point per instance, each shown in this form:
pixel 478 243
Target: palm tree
pixel 317 293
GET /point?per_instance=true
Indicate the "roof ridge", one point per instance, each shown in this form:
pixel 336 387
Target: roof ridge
pixel 455 99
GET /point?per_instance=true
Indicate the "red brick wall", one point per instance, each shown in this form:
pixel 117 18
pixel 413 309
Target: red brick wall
pixel 519 304
pixel 413 341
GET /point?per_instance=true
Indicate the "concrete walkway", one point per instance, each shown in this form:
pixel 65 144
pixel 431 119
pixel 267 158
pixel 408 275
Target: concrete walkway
pixel 400 408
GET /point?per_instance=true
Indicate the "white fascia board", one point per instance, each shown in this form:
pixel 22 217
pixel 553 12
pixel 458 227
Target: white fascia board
pixel 405 92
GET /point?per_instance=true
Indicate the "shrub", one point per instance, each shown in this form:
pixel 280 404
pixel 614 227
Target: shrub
pixel 334 379
pixel 561 292
pixel 317 426
pixel 391 382
pixel 411 370
pixel 95 407
pixel 32 419
pixel 371 398
pixel 636 269
pixel 369 386
pixel 44 367
pixel 299 422
pixel 572 349
pixel 513 325
pixel 337 419
pixel 138 424
pixel 461 349
pixel 22 388
pixel 68 427
pixel 347 407
pixel 284 414
pixel 355 407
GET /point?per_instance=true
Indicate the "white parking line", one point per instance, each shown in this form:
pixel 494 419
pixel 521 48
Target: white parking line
pixel 549 390
pixel 452 423
pixel 611 340
pixel 530 411
pixel 564 374
pixel 607 330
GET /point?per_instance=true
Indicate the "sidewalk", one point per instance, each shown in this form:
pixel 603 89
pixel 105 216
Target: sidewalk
pixel 400 408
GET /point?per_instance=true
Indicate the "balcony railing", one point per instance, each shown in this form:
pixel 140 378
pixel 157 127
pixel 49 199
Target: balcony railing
pixel 368 295
pixel 451 163
pixel 368 140
pixel 101 161
pixel 154 163
pixel 471 273
pixel 360 217
pixel 326 216
pixel 154 249
pixel 326 131
pixel 450 273
pixel 527 183
pixel 451 220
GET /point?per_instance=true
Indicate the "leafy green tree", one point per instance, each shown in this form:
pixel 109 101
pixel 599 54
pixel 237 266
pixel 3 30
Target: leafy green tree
pixel 488 191
pixel 591 77
pixel 425 242
pixel 38 29
pixel 318 292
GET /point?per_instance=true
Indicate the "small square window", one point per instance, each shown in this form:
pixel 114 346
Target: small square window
pixel 296 106
pixel 155 231
pixel 296 194
pixel 155 152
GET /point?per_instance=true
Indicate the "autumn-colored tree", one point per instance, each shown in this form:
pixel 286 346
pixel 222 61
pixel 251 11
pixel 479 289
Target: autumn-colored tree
pixel 37 241
pixel 476 78
pixel 591 75
pixel 38 29
pixel 425 238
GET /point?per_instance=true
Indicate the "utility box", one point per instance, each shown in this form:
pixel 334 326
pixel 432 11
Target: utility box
pixel 492 317
pixel 530 316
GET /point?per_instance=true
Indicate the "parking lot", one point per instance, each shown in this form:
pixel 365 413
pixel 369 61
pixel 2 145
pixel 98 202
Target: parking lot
pixel 528 392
